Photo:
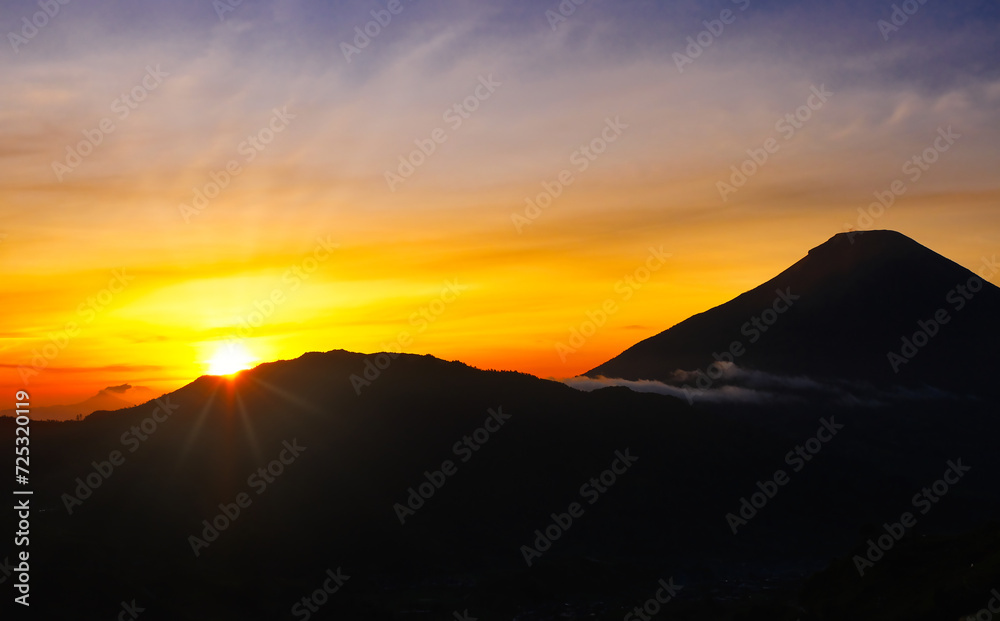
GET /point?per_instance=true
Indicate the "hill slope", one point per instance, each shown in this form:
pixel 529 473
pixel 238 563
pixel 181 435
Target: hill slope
pixel 336 503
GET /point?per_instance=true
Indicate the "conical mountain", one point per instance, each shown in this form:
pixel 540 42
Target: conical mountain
pixel 874 307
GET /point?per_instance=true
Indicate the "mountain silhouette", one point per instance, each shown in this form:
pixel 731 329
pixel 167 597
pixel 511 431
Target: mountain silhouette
pixel 109 399
pixel 862 307
pixel 357 457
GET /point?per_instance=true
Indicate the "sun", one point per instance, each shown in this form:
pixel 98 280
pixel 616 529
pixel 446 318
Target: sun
pixel 229 360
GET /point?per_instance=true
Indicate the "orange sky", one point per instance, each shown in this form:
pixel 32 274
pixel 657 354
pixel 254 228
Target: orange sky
pixel 191 278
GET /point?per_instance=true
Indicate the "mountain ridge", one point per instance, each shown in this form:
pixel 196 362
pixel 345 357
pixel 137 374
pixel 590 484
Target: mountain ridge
pixel 336 505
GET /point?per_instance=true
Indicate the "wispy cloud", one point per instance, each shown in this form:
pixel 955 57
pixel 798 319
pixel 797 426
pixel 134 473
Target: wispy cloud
pixel 739 385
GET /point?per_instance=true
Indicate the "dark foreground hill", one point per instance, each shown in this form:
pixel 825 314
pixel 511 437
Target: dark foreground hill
pixel 838 314
pixel 351 458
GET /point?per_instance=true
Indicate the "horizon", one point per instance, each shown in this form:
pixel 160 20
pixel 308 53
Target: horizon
pixel 228 368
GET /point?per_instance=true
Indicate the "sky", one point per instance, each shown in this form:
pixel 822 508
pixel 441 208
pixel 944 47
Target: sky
pixel 466 179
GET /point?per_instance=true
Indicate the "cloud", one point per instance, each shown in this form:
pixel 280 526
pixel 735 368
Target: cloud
pixel 723 394
pixel 747 386
pixel 117 389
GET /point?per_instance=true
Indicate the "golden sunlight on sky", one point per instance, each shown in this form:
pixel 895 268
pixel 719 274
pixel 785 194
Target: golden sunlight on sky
pixel 179 183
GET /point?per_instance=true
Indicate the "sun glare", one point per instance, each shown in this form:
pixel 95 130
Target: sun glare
pixel 230 359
